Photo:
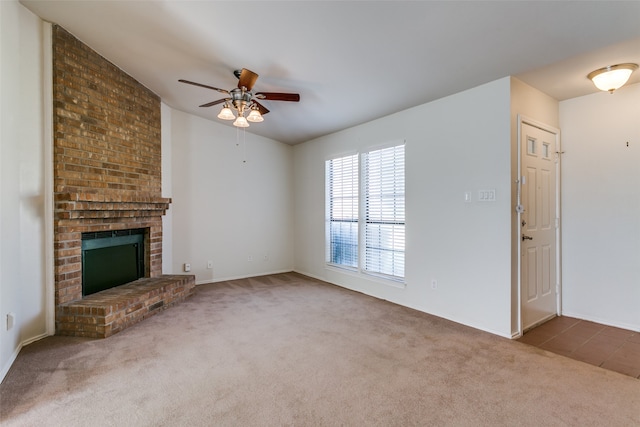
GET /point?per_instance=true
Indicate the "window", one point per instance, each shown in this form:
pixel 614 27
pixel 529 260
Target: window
pixel 371 212
pixel 384 211
pixel 342 211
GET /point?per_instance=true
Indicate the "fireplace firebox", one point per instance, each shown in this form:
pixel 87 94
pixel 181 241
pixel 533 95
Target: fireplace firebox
pixel 111 258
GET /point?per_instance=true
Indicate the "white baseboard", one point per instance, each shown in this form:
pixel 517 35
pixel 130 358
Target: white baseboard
pixel 313 276
pixel 224 279
pixel 7 366
pixel 14 356
pixel 36 338
pixel 607 322
pixel 459 321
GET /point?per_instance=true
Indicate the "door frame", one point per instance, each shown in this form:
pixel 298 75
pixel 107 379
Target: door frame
pixel 518 211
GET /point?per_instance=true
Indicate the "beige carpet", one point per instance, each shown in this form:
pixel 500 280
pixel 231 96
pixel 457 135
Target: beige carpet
pixel 289 350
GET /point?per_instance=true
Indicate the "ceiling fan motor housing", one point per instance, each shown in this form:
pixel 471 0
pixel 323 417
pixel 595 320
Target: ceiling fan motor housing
pixel 240 98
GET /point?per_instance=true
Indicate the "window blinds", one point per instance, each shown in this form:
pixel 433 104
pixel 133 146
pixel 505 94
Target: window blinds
pixel 342 215
pixel 384 216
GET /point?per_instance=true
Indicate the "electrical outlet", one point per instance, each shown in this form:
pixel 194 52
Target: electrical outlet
pixel 434 284
pixel 250 258
pixel 187 267
pixel 209 265
pixel 265 257
pixel 11 320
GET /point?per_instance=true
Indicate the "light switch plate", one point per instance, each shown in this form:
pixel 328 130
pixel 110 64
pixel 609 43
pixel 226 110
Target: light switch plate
pixel 487 195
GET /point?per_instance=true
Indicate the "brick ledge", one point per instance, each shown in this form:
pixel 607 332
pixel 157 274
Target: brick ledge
pixel 109 198
pixel 105 313
pixel 74 206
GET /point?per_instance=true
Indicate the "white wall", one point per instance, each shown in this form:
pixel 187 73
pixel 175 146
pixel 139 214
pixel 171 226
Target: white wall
pixel 456 144
pixel 601 207
pixel 22 185
pixel 167 178
pixel 230 202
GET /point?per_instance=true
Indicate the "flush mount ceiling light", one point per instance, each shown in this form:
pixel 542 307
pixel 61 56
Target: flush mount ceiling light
pixel 612 77
pixel 242 99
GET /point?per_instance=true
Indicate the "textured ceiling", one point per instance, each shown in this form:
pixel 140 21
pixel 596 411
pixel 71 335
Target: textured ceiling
pixel 351 61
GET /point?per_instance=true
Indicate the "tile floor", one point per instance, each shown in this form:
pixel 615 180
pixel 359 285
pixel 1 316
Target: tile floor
pixel 605 346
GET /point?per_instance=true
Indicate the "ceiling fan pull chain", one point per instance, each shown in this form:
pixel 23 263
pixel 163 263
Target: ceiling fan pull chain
pixel 244 145
pixel 244 142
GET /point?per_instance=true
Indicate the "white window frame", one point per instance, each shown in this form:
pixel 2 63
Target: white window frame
pixel 331 255
pixel 362 253
pixel 383 225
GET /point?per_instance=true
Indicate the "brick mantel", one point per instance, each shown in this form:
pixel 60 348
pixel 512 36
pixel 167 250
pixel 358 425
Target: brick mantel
pixel 94 205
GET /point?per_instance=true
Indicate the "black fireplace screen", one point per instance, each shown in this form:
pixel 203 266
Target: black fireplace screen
pixel 111 258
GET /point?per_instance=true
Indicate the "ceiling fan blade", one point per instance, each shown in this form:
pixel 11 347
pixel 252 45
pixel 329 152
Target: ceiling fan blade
pixel 263 110
pixel 211 104
pixel 247 79
pixel 205 86
pixel 278 96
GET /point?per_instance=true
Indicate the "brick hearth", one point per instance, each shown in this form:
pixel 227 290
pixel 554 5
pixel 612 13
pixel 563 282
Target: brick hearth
pixel 105 313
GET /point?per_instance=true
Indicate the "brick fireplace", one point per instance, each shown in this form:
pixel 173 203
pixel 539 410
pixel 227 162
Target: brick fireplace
pixel 107 176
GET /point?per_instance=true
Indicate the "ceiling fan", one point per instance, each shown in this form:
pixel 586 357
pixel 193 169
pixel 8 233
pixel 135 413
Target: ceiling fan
pixel 242 99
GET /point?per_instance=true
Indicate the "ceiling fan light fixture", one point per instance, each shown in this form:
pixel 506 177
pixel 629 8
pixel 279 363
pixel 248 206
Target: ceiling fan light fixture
pixel 241 122
pixel 241 99
pixel 226 113
pixel 255 116
pixel 612 77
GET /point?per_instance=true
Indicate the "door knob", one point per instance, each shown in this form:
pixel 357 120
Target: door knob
pixel 525 237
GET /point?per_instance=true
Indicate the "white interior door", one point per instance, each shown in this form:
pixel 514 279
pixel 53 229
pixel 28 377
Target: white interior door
pixel 538 225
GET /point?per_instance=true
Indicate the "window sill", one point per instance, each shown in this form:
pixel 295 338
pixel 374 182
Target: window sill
pixel 354 272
